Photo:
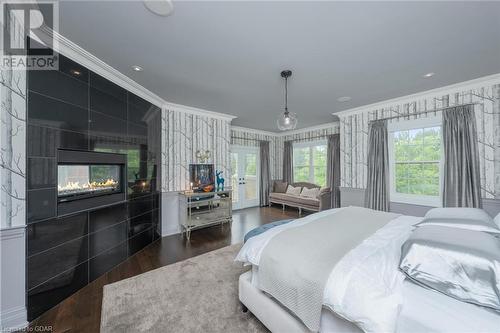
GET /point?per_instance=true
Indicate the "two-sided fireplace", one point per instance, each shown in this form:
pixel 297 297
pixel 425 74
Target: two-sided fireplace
pixel 87 179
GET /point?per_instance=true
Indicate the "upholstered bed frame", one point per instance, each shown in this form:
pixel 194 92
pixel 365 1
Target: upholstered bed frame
pixel 276 318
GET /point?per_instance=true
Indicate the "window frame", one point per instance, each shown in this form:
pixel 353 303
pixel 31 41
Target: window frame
pixel 310 145
pixel 414 199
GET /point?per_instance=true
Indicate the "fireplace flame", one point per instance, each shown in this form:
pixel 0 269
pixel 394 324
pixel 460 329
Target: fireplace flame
pixel 76 187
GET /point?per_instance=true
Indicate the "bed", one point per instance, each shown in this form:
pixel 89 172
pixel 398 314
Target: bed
pixel 354 298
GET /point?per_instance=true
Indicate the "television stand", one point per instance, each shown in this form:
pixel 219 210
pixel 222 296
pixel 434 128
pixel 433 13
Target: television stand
pixel 203 209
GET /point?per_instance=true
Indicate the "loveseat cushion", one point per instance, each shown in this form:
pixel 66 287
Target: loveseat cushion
pixel 295 200
pixel 279 196
pixel 313 202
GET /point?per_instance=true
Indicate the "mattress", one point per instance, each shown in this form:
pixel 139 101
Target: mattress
pixel 423 310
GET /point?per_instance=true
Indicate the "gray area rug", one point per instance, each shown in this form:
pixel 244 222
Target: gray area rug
pixel 196 295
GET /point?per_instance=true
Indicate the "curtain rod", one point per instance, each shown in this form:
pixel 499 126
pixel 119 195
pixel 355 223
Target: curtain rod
pixel 247 139
pixel 423 112
pixel 298 139
pixel 325 136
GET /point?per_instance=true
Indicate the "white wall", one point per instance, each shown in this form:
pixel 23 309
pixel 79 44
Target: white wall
pixel 12 197
pixel 12 283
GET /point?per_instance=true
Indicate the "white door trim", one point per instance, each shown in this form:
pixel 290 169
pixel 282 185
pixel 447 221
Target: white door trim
pixel 240 188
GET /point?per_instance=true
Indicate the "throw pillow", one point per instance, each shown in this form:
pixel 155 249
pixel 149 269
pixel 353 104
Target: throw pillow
pixel 293 190
pixel 280 187
pixel 310 192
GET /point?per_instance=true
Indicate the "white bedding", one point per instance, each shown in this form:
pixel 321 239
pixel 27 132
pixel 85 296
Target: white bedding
pixel 423 311
pixel 366 287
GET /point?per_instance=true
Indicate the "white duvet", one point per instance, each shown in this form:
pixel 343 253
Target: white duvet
pixel 365 287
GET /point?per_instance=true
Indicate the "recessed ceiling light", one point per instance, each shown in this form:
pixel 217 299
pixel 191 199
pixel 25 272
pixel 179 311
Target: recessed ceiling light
pixel 137 68
pixel 344 99
pixel 75 72
pixel 428 75
pixel 160 7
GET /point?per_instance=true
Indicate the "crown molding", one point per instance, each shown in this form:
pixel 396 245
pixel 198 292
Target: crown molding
pixel 309 129
pixel 252 130
pixel 196 111
pixel 78 54
pixel 286 133
pixel 449 89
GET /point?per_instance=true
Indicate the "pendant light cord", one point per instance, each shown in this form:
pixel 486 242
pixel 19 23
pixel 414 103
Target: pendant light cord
pixel 286 95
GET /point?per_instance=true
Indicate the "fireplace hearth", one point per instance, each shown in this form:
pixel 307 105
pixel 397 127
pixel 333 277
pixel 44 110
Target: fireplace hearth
pixel 87 179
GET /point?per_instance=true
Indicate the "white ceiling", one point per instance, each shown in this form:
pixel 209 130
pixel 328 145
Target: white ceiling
pixel 227 56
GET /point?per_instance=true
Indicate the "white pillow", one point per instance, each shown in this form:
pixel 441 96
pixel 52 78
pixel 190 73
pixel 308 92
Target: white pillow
pixel 310 192
pixel 497 220
pixel 293 190
pixel 464 218
pixel 459 213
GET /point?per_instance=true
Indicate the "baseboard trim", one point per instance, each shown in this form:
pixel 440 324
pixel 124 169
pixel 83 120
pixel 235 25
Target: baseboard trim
pixel 14 319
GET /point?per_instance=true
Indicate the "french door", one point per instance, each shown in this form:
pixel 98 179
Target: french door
pixel 245 176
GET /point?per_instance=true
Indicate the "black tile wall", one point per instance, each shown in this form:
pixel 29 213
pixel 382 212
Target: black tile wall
pixel 102 124
pixel 107 260
pixel 52 292
pixel 74 108
pixel 43 172
pixel 138 206
pixel 48 112
pixel 108 87
pixel 48 234
pixel 50 263
pixel 107 104
pixel 105 239
pixel 138 242
pixel 140 223
pixel 106 217
pixel 60 86
pixel 41 203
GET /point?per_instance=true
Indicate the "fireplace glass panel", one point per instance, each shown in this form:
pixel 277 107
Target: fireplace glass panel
pixel 77 181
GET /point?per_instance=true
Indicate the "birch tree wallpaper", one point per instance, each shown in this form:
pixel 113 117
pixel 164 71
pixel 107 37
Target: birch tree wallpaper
pixel 354 134
pixel 182 135
pixel 13 143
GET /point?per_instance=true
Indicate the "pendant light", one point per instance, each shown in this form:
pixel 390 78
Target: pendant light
pixel 287 120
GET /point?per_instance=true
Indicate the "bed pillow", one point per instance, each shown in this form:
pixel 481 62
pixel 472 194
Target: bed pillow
pixel 462 264
pixel 464 218
pixel 280 187
pixel 310 192
pixel 293 190
pixel 459 213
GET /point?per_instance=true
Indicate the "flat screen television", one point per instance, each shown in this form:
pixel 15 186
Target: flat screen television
pixel 202 177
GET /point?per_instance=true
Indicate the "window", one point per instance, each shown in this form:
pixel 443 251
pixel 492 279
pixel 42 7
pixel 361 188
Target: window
pixel 415 161
pixel 309 162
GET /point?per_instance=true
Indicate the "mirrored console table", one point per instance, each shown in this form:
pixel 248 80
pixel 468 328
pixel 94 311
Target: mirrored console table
pixel 203 209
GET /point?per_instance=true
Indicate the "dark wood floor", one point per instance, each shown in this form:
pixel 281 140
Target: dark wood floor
pixel 81 312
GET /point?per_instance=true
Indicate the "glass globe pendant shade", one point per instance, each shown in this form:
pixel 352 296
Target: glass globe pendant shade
pixel 287 121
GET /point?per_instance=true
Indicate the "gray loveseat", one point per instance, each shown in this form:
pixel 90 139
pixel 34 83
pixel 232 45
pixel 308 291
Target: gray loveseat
pixel 321 202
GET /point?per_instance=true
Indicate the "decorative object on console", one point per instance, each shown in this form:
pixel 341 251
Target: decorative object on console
pixel 287 120
pixel 203 155
pixel 201 176
pixel 220 181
